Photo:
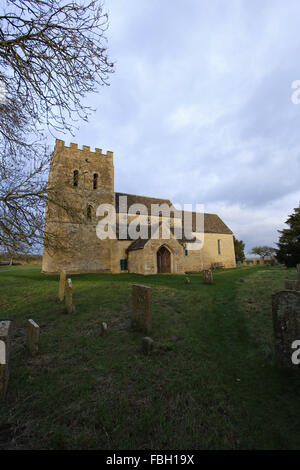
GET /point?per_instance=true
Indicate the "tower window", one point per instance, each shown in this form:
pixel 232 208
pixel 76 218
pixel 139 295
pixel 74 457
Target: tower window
pixel 219 247
pixel 75 178
pixel 89 212
pixel 95 181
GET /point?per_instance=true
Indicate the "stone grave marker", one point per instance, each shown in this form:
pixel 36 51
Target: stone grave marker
pixel 4 356
pixel 292 284
pixel 68 296
pixel 62 283
pixel 286 323
pixel 142 308
pixel 208 276
pixel 3 370
pixel 147 345
pixel 104 329
pixel 32 337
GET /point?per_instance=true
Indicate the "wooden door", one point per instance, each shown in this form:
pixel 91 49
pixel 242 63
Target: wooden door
pixel 163 260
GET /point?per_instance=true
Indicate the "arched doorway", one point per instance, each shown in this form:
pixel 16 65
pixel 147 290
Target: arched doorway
pixel 163 260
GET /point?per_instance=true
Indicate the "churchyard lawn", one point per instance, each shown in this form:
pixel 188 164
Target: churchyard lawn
pixel 210 383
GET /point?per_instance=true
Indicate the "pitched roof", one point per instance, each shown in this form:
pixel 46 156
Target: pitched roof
pixel 137 245
pixel 141 242
pixel 146 201
pixel 212 224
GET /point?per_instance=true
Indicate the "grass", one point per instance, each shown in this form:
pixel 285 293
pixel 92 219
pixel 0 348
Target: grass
pixel 210 384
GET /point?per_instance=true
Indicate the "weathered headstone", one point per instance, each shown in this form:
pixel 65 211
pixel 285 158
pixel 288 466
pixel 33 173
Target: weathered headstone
pixel 142 308
pixel 286 323
pixel 4 356
pixel 62 283
pixel 68 296
pixel 208 276
pixel 3 370
pixel 147 345
pixel 104 329
pixel 292 284
pixel 32 337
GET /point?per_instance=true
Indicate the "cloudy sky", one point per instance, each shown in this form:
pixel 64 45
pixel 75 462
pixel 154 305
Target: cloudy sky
pixel 199 109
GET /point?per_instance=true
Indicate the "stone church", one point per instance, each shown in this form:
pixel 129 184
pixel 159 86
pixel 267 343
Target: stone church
pixel 79 182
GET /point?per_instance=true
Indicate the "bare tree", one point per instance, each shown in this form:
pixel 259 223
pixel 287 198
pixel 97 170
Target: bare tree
pixel 263 251
pixel 52 54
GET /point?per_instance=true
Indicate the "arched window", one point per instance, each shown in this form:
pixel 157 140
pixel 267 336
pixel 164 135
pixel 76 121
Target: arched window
pixel 89 212
pixel 75 178
pixel 95 181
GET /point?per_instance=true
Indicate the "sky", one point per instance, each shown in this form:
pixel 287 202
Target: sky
pixel 200 109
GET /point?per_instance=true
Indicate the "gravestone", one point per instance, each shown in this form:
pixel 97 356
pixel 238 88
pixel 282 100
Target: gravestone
pixel 4 356
pixel 3 370
pixel 292 284
pixel 147 345
pixel 62 283
pixel 142 308
pixel 104 329
pixel 298 269
pixel 286 324
pixel 68 296
pixel 208 276
pixel 32 337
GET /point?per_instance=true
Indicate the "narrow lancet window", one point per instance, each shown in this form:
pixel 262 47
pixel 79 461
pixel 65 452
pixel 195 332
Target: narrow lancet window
pixel 89 212
pixel 95 181
pixel 75 178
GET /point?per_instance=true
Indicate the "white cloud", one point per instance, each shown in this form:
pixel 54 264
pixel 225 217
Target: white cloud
pixel 199 109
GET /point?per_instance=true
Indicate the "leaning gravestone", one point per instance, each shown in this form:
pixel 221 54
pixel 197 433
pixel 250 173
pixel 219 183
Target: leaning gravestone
pixel 32 337
pixel 104 329
pixel 3 370
pixel 147 345
pixel 292 284
pixel 208 276
pixel 142 308
pixel 4 356
pixel 68 295
pixel 62 283
pixel 286 323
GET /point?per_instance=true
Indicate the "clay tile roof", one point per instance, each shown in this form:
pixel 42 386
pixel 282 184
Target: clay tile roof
pixel 137 245
pixel 212 224
pixel 146 201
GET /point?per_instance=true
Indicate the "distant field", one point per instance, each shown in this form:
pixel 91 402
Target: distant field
pixel 211 383
pixel 21 259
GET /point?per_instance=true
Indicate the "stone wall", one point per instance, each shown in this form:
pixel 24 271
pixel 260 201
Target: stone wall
pixel 81 249
pixel 197 260
pixel 78 247
pixel 145 261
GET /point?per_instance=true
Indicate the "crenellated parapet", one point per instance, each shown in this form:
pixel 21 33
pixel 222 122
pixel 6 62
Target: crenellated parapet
pixel 86 150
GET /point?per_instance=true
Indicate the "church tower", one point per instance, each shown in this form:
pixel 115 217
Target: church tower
pixel 79 181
